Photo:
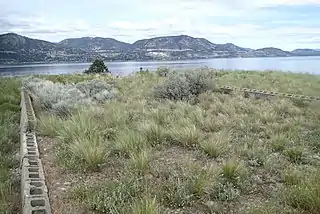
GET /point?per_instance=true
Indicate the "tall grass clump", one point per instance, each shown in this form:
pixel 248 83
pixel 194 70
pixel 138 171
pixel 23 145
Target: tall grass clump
pixel 155 134
pixel 82 136
pixel 139 161
pixel 186 135
pixel 305 195
pixel 184 86
pixel 279 142
pixel 295 154
pixel 146 206
pixel 80 124
pixel 91 149
pixel 233 172
pixel 216 145
pixel 129 141
pixel 48 124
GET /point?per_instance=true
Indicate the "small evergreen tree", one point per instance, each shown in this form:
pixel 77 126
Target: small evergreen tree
pixel 97 66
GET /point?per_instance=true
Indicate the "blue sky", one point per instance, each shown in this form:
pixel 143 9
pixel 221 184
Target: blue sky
pixel 287 24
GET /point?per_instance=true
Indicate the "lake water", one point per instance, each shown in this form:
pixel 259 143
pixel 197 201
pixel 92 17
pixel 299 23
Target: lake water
pixel 292 64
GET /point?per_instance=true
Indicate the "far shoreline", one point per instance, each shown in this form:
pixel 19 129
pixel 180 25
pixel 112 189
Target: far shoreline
pixel 151 61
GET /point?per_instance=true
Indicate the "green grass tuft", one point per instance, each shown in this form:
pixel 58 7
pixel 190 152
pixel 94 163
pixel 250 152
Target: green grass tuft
pixel 295 154
pixel 130 142
pixel 139 161
pixel 305 195
pixel 279 142
pixel 185 135
pixel 91 149
pixel 216 145
pixel 146 206
pixel 233 172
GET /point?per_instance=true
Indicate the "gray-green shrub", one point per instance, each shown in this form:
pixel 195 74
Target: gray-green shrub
pixel 184 85
pixel 61 99
pixel 163 71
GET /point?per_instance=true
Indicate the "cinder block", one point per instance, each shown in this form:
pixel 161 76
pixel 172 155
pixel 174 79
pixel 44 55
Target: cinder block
pixel 33 189
pixel 28 146
pixel 32 170
pixel 34 193
pixel 36 205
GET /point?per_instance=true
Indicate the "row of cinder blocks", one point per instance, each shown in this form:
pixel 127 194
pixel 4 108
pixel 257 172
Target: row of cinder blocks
pixel 34 193
pixel 263 94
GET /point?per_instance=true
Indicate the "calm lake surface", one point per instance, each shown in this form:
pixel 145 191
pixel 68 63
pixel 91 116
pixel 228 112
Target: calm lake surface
pixel 292 64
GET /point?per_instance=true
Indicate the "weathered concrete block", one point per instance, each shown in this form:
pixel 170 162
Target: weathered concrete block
pixel 32 120
pixel 36 205
pixel 33 189
pixel 28 146
pixel 23 114
pixel 34 193
pixel 32 170
pixel 226 90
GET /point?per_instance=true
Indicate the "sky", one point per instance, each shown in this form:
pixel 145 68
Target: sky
pixel 286 24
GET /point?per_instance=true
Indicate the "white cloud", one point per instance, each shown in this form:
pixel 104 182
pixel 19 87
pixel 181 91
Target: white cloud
pixel 146 18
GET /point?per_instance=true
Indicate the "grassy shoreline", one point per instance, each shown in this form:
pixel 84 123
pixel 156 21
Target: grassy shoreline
pixel 153 144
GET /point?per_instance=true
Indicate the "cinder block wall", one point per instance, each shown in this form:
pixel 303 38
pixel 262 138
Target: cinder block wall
pixel 34 192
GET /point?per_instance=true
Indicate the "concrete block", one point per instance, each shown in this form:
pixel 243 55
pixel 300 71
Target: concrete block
pixel 28 146
pixel 34 192
pixel 33 189
pixel 32 170
pixel 36 205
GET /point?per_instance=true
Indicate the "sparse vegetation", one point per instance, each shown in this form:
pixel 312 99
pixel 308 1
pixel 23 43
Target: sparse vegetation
pixel 168 142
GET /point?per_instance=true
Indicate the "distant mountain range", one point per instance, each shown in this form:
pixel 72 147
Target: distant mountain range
pixel 15 48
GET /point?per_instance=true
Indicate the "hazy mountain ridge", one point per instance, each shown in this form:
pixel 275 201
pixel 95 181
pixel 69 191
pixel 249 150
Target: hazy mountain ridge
pixel 19 49
pixel 306 52
pixel 95 44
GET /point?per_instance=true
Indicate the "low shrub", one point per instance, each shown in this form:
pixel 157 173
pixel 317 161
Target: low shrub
pixel 93 87
pixel 62 99
pixel 163 71
pixel 184 86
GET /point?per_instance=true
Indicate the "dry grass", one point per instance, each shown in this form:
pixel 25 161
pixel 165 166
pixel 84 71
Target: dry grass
pixel 249 143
